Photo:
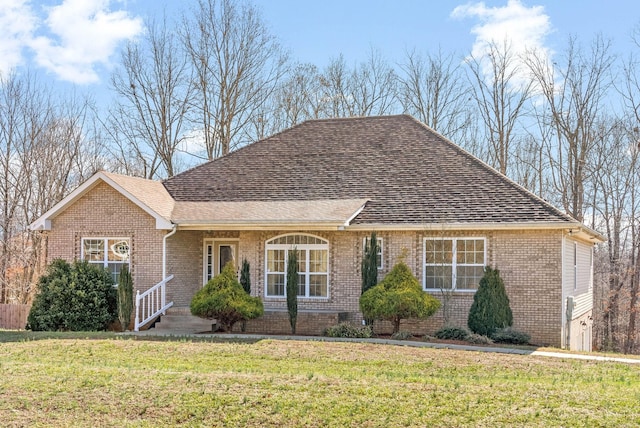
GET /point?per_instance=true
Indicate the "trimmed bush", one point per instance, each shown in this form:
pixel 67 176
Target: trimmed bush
pixel 490 309
pixel 346 329
pixel 292 289
pixel 125 297
pixel 452 333
pixel 399 296
pixel 73 297
pixel 370 263
pixel 511 336
pixel 245 276
pixel 224 300
pixel 478 339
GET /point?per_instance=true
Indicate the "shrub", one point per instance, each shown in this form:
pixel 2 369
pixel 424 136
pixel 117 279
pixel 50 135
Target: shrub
pixel 73 297
pixel 345 329
pixel 292 289
pixel 452 333
pixel 398 296
pixel 402 335
pixel 370 263
pixel 511 336
pixel 490 309
pixel 125 297
pixel 224 299
pixel 478 339
pixel 245 276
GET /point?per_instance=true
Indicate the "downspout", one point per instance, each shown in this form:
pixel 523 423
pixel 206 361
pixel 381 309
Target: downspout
pixel 563 317
pixel 164 250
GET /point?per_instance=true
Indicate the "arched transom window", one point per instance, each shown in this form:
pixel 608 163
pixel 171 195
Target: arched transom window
pixel 313 265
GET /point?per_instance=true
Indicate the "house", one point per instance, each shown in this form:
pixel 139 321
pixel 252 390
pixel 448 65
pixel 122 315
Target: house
pixel 322 187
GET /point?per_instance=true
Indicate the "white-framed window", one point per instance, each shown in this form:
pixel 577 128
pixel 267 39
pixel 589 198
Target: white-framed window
pixel 313 265
pixel 365 242
pixel 217 253
pixel 453 263
pixel 110 253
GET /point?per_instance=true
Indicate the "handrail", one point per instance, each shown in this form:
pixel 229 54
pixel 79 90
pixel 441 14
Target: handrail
pixel 151 303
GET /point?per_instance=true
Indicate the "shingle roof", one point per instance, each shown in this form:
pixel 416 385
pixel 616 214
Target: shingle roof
pixel 149 192
pixel 407 172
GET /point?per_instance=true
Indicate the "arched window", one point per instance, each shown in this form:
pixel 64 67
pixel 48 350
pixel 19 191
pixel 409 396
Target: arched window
pixel 313 265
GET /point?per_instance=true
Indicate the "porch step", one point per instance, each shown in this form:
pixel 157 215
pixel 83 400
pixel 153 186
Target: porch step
pixel 180 320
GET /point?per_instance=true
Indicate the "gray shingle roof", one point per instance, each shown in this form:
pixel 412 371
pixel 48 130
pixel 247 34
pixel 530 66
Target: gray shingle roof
pixel 409 173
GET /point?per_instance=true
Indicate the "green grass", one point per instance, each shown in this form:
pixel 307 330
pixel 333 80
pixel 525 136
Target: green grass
pixel 100 379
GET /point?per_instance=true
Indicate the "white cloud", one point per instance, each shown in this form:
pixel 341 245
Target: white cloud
pixel 17 24
pixel 69 39
pixel 83 33
pixel 525 28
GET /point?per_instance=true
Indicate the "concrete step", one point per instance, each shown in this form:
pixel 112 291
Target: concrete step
pixel 181 321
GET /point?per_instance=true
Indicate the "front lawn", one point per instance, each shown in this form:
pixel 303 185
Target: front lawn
pixel 94 380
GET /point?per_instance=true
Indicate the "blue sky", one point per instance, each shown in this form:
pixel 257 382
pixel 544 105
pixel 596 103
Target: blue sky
pixel 76 42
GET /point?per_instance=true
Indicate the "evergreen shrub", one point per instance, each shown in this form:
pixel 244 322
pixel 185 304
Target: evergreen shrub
pixel 73 297
pixel 399 296
pixel 490 309
pixel 224 300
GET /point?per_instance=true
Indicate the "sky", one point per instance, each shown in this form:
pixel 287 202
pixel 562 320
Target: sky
pixel 74 44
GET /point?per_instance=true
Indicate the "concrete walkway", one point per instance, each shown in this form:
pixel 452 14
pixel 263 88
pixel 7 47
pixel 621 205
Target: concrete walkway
pixel 415 344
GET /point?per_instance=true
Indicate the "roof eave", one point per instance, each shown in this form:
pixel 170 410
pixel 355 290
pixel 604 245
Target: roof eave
pixel 260 225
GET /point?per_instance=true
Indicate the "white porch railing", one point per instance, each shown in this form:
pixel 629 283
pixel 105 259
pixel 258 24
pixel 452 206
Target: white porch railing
pixel 152 303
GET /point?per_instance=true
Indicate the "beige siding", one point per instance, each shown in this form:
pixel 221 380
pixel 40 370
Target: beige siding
pixel 103 212
pixel 577 284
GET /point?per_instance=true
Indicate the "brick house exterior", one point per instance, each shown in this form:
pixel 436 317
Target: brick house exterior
pixel 324 186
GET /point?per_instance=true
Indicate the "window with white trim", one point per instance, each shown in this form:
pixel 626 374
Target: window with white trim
pixel 453 263
pixel 379 257
pixel 110 253
pixel 313 265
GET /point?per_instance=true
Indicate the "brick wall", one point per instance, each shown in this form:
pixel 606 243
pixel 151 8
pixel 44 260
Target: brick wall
pixel 104 212
pixel 530 264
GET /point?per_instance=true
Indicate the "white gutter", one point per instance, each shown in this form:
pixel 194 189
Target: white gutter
pixel 164 250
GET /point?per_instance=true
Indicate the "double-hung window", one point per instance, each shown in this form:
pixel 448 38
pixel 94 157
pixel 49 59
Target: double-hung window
pixel 110 253
pixel 453 263
pixel 313 269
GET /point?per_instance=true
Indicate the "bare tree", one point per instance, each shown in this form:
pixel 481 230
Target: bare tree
pixel 433 89
pixel 573 95
pixel 501 91
pixel 154 93
pixel 237 66
pixel 43 156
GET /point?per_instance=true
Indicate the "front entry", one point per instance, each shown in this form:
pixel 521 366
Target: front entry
pixel 217 253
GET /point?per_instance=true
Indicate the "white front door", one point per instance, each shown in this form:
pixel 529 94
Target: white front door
pixel 217 253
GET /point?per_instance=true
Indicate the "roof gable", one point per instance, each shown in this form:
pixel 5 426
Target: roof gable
pixel 149 195
pixel 409 174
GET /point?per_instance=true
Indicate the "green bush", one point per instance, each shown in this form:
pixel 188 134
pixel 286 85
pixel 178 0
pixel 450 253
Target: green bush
pixel 125 297
pixel 399 296
pixel 478 339
pixel 451 332
pixel 490 309
pixel 345 329
pixel 73 297
pixel 292 289
pixel 245 276
pixel 224 299
pixel 511 336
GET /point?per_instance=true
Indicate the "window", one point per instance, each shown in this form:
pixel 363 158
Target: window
pixel 453 263
pixel 364 246
pixel 313 261
pixel 110 253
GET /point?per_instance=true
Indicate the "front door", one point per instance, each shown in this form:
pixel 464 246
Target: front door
pixel 217 254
